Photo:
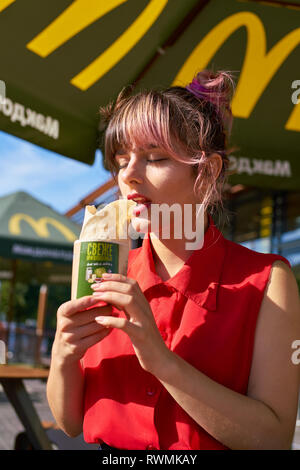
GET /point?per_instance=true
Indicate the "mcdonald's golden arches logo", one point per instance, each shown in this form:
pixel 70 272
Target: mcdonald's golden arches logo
pixel 40 226
pixel 258 69
pixel 259 65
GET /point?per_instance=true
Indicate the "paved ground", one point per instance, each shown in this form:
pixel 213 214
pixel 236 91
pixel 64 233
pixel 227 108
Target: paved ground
pixel 10 425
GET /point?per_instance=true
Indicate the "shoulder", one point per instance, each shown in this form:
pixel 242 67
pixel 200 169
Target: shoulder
pixel 263 279
pixel 280 307
pixel 282 289
pixel 240 251
pixel 244 260
pixel 281 270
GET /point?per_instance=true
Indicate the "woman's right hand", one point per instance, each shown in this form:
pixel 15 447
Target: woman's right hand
pixel 77 330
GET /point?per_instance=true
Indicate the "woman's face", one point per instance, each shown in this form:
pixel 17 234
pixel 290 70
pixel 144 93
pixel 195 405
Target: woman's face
pixel 156 175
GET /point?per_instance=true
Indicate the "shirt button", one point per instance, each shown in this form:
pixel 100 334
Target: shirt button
pixel 150 392
pixel 151 447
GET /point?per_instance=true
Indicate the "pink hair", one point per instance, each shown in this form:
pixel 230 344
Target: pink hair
pixel 189 123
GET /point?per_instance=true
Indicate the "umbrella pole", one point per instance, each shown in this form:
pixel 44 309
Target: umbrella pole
pixel 10 312
pixel 40 321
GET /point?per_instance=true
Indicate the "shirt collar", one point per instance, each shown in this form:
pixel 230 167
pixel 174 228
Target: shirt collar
pixel 199 277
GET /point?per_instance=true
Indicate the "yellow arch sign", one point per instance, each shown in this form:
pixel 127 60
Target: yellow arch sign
pixel 77 17
pixel 259 65
pixel 40 226
pixel 5 3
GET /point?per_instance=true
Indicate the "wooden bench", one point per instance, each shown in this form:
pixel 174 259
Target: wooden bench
pixel 11 379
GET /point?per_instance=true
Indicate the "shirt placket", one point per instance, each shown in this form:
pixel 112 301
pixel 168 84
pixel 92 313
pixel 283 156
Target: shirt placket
pixel 153 387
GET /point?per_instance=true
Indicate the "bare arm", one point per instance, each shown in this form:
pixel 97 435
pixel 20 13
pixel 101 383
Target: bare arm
pixel 65 395
pixel 265 418
pixel 76 332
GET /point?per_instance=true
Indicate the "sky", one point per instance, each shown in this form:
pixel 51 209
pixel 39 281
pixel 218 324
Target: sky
pixel 57 181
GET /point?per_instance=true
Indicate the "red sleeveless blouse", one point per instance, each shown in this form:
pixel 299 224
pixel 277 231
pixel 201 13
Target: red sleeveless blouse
pixel 206 314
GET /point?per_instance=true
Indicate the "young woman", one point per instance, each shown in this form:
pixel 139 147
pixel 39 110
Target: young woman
pixel 194 349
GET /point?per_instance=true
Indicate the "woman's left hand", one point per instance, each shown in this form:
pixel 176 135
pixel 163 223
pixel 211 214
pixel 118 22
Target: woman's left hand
pixel 125 294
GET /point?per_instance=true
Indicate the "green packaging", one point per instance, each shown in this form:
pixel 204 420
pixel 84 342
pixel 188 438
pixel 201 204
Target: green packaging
pixel 103 245
pixel 91 259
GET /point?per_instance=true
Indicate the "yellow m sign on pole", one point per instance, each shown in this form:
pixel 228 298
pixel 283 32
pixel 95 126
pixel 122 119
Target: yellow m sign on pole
pixel 40 226
pixel 259 65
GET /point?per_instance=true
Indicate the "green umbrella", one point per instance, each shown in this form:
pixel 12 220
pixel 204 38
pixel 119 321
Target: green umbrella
pixel 64 60
pixel 32 231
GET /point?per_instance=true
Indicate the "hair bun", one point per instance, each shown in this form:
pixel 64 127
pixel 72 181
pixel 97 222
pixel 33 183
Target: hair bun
pixel 217 88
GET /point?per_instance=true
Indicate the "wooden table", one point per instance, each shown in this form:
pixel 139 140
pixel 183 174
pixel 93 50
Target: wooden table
pixel 11 379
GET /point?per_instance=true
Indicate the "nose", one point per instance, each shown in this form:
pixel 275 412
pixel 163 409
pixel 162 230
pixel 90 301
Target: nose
pixel 132 173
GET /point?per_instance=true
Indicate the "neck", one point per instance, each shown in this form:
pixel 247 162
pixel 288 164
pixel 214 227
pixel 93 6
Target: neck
pixel 169 255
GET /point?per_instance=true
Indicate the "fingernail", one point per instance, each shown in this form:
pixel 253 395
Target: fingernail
pixel 94 286
pixel 102 320
pixel 106 275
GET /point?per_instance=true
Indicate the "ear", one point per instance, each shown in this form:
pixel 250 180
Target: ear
pixel 217 164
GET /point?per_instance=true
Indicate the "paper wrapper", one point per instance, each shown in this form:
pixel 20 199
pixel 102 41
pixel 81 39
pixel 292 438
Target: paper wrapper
pixel 103 245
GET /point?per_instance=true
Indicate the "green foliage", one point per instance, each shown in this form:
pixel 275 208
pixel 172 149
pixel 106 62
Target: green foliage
pixel 4 296
pixel 19 299
pixel 26 298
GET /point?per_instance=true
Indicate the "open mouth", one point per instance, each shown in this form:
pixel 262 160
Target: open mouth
pixel 138 198
pixel 142 203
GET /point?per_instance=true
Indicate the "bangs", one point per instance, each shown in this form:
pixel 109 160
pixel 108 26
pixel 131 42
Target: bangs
pixel 141 122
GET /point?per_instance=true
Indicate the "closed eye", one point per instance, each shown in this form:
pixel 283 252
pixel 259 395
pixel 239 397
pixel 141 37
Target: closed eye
pixel 150 161
pixel 157 160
